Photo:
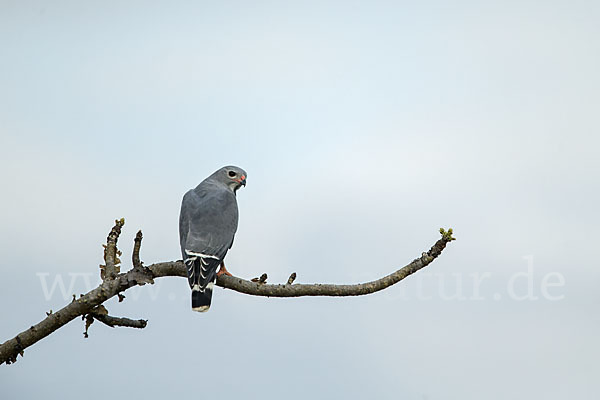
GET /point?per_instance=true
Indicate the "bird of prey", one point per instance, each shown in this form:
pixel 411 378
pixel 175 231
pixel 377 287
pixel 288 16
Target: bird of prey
pixel 207 224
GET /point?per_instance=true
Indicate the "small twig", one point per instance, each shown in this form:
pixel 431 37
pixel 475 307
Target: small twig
pixel 112 253
pixel 100 313
pixel 140 274
pixel 89 320
pixel 135 257
pixel 121 321
pixel 261 280
pixel 292 278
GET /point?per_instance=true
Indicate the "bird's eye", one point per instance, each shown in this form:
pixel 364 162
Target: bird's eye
pixel 231 174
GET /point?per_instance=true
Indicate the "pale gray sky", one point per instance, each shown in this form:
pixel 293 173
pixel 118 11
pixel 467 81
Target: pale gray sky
pixel 364 127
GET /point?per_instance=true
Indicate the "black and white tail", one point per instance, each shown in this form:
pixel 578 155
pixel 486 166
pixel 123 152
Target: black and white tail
pixel 201 298
pixel 202 272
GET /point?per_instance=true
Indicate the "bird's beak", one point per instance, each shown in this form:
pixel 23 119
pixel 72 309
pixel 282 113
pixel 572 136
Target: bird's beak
pixel 243 180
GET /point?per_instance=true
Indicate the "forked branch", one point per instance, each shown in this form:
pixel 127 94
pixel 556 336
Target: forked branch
pixel 114 283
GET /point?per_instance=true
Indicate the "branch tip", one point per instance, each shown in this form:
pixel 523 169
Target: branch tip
pixel 447 235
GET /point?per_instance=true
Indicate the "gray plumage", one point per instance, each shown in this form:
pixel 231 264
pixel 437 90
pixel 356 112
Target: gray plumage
pixel 207 225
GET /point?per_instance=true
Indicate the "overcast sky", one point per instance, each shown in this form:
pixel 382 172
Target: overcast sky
pixel 364 128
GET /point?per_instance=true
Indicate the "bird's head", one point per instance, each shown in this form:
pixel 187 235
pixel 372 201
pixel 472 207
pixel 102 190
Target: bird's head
pixel 233 177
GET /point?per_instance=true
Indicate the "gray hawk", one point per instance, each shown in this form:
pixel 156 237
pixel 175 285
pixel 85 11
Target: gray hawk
pixel 207 224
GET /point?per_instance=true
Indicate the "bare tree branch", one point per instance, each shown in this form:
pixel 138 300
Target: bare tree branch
pixel 87 305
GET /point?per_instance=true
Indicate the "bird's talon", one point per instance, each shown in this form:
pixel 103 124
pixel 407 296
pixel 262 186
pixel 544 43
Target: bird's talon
pixel 223 271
